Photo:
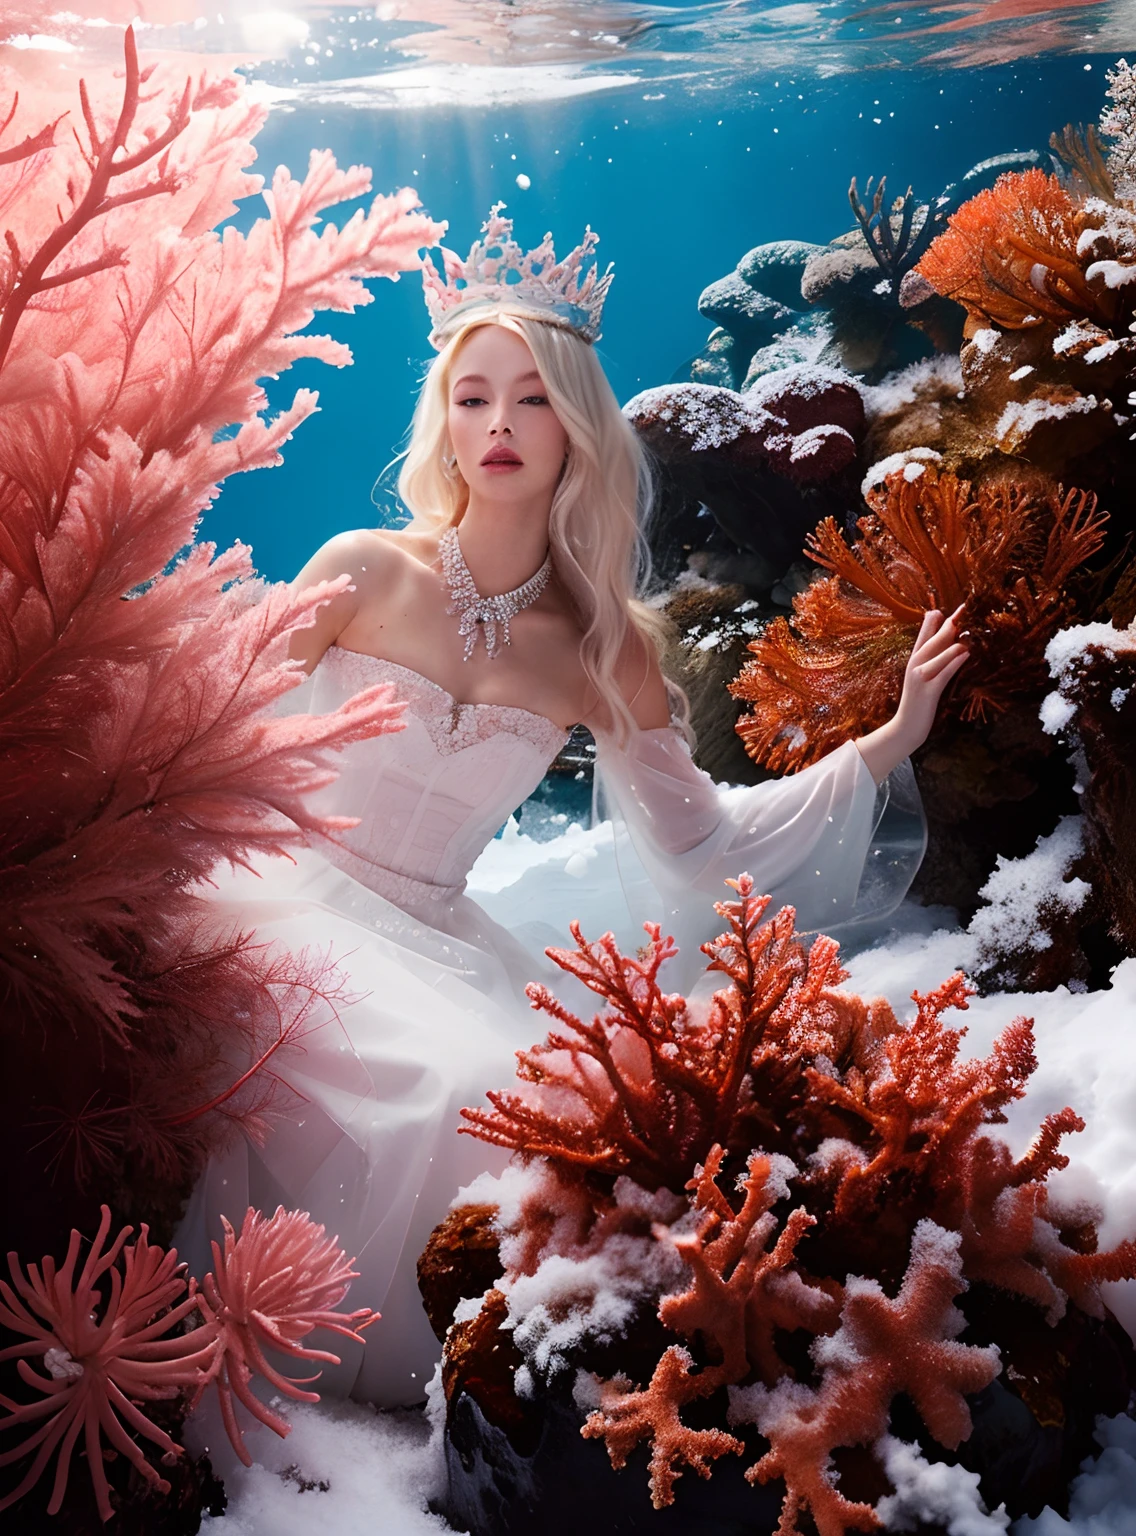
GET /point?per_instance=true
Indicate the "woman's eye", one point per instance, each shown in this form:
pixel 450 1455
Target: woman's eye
pixel 535 400
pixel 470 400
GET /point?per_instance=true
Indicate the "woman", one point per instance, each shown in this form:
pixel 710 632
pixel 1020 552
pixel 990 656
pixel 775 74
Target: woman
pixel 503 615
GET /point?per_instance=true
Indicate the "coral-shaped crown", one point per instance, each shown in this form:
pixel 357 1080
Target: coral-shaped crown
pixel 497 269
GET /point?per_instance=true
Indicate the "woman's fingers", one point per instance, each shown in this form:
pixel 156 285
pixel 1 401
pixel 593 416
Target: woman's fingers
pixel 948 661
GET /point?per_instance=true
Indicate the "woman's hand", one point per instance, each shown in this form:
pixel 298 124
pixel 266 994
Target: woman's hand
pixel 939 651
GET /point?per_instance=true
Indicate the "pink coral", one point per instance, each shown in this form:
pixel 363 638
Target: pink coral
pixel 103 1354
pixel 138 680
pixel 275 1283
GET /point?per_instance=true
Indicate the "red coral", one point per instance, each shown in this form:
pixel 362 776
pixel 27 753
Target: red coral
pixel 882 1348
pixel 837 670
pixel 903 1188
pixel 731 1268
pixel 103 1354
pixel 925 1105
pixel 649 1087
pixel 275 1283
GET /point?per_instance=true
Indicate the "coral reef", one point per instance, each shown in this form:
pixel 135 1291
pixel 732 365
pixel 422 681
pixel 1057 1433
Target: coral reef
pixel 112 1339
pixel 138 672
pixel 810 1268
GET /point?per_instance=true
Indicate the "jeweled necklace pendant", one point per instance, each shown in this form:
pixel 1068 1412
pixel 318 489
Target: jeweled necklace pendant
pixel 485 613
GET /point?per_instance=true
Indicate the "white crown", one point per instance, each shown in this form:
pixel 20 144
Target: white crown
pixel 496 269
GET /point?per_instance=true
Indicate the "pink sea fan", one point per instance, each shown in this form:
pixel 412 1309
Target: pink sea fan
pixel 276 1282
pixel 105 1343
pixel 137 681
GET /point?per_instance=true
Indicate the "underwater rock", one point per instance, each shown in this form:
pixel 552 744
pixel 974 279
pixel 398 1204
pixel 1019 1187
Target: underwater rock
pixel 768 466
pixel 1094 706
pixel 749 316
pixel 719 360
pixel 712 624
pixel 776 268
pixel 461 1253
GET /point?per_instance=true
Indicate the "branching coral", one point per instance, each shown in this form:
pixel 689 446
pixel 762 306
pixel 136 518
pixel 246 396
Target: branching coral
pixel 111 1339
pixel 137 681
pixel 821 1286
pixel 895 250
pixel 836 670
pixel 105 1340
pixel 882 1347
pixel 647 1088
pixel 728 1302
pixel 273 1285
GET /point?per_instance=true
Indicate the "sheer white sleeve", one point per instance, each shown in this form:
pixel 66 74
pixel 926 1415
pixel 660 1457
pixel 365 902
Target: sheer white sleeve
pixel 825 840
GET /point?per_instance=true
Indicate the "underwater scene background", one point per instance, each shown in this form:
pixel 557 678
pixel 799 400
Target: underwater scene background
pixel 682 165
pixel 939 1336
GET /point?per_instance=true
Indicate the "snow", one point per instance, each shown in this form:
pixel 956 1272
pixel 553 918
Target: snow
pixel 934 1492
pixel 710 417
pixel 345 1468
pixel 1018 888
pixel 907 459
pixel 1023 416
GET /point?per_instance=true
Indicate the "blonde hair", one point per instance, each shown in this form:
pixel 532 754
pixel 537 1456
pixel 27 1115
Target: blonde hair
pixel 599 552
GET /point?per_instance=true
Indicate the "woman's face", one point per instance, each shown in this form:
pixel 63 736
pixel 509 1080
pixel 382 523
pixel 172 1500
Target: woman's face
pixel 509 442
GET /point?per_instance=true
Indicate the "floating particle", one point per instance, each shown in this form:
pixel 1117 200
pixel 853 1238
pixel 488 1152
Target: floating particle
pixel 524 182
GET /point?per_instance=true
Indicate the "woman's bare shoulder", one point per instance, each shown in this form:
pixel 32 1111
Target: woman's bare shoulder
pixel 367 555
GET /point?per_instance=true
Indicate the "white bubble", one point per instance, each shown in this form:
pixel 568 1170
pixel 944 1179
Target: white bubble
pixel 524 182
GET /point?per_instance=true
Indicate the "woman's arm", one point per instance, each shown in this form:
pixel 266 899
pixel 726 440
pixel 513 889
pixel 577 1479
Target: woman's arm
pixel 343 554
pixel 937 655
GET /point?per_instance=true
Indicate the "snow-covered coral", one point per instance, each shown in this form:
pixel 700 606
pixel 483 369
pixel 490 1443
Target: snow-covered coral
pixel 858 1193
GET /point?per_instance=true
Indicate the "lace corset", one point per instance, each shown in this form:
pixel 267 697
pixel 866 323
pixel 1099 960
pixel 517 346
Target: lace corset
pixel 431 796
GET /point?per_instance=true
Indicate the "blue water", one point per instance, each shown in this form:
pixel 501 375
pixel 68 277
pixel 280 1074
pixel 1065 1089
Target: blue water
pixel 680 178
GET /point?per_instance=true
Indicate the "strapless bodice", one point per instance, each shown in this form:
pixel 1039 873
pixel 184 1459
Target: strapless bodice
pixel 432 795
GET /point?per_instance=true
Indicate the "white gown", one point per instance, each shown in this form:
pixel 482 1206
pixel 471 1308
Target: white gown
pixel 373 1153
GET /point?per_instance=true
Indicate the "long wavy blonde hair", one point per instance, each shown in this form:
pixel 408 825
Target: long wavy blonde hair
pixel 599 507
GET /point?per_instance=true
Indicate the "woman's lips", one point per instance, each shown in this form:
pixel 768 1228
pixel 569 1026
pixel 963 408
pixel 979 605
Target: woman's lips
pixel 501 459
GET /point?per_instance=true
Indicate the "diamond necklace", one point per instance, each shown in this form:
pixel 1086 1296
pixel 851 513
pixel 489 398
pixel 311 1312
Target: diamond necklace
pixel 486 612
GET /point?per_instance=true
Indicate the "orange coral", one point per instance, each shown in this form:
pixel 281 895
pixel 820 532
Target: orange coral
pixel 836 671
pixel 1010 256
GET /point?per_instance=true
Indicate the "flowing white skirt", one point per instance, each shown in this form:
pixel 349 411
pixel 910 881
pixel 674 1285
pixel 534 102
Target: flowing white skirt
pixel 373 1152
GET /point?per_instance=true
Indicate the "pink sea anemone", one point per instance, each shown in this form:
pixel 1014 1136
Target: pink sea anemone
pixel 105 1343
pixel 274 1284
